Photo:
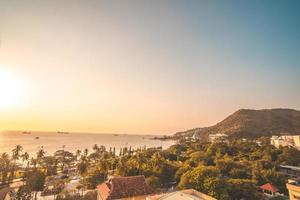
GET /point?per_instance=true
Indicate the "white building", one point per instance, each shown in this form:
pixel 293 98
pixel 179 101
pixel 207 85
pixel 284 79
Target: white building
pixel 189 194
pixel 217 137
pixel 286 140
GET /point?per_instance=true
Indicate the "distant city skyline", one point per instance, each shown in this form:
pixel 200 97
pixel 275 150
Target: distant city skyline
pixel 144 67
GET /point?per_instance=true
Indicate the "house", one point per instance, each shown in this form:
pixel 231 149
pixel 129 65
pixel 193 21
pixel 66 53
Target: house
pixel 294 189
pixel 6 193
pixel 189 194
pixel 269 190
pixel 286 140
pixel 217 137
pixel 132 187
pixel 288 171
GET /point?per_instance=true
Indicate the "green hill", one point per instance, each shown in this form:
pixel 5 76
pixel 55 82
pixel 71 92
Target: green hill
pixel 253 123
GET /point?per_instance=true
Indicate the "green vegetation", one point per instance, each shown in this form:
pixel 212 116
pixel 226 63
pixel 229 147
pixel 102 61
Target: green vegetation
pixel 226 170
pixel 248 123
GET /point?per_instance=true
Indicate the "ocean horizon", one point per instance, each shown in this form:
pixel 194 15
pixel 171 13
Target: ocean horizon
pixel 52 141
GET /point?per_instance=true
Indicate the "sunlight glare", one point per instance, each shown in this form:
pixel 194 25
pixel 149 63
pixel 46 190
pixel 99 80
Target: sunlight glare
pixel 10 89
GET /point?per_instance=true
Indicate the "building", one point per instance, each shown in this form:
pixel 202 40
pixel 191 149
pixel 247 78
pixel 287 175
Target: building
pixel 291 172
pixel 131 187
pixel 286 140
pixel 269 190
pixel 217 137
pixel 294 189
pixel 181 195
pixel 6 193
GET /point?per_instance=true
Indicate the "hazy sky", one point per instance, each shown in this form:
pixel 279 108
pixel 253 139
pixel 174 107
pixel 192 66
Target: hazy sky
pixel 144 66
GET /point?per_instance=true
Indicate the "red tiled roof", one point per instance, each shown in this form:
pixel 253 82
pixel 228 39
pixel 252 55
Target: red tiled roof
pixel 269 187
pixel 103 190
pixel 123 187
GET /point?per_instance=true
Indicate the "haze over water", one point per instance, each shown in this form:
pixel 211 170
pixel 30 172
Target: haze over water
pixel 52 142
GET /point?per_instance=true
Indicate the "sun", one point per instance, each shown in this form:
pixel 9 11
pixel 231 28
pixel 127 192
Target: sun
pixel 10 89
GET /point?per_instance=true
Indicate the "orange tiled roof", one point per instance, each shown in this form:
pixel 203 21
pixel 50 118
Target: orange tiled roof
pixel 103 190
pixel 123 187
pixel 269 187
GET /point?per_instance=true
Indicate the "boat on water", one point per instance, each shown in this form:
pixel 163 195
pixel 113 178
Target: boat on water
pixel 37 138
pixel 62 132
pixel 116 135
pixel 26 132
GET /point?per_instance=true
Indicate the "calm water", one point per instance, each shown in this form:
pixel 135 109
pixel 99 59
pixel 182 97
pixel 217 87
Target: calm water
pixel 73 141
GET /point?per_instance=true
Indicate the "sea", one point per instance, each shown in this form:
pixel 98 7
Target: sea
pixel 53 141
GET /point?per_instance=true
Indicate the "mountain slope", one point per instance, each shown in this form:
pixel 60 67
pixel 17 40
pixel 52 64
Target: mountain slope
pixel 253 123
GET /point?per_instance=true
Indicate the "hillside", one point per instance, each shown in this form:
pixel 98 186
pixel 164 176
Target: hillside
pixel 253 123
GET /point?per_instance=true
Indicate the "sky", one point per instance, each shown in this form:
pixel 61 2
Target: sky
pixel 144 67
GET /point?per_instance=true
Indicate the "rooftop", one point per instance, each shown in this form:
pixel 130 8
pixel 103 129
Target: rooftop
pixel 290 167
pixel 189 194
pixel 124 187
pixel 269 187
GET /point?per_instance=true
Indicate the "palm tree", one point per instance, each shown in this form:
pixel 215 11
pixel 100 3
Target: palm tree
pixel 78 154
pixel 40 155
pixel 96 148
pixel 86 152
pixel 25 158
pixel 82 168
pixel 33 162
pixel 5 165
pixel 122 166
pixel 50 165
pixel 16 152
pixel 104 167
pixel 139 160
pixel 156 159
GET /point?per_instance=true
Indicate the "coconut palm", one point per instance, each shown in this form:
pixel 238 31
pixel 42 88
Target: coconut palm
pixel 5 165
pixel 96 148
pixel 86 152
pixel 16 152
pixel 78 154
pixel 82 168
pixel 25 158
pixel 139 160
pixel 40 155
pixel 33 162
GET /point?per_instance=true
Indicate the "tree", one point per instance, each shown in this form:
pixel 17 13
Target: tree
pixel 154 182
pixel 49 163
pixel 23 193
pixel 35 181
pixel 65 158
pixel 139 160
pixel 290 156
pixel 25 158
pixel 40 155
pixel 5 167
pixel 242 189
pixel 82 168
pixel 86 152
pixel 91 195
pixel 16 152
pixel 78 154
pixel 94 178
pixel 196 177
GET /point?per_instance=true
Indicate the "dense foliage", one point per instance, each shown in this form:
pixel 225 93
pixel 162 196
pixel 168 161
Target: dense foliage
pixel 226 169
